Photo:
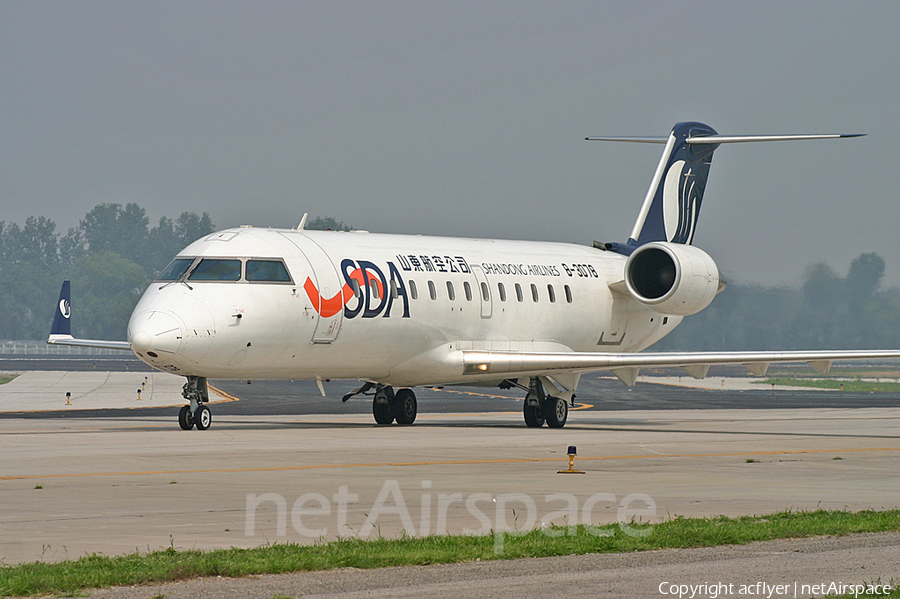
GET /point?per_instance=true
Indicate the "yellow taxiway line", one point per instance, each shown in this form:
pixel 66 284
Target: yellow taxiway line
pixel 581 459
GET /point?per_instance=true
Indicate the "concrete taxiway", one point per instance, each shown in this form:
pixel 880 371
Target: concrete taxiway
pixel 118 481
pixel 45 391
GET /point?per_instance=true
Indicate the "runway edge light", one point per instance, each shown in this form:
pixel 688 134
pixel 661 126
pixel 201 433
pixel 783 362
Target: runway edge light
pixel 572 453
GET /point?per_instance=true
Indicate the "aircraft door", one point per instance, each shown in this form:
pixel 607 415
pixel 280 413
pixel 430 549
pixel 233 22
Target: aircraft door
pixel 323 288
pixel 483 289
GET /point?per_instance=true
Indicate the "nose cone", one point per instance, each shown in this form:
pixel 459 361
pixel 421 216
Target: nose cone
pixel 155 334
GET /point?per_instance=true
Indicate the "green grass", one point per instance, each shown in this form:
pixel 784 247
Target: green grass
pixel 162 566
pixel 7 378
pixel 849 386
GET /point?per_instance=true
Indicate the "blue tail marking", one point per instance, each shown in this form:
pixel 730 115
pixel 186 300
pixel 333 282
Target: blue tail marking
pixel 62 324
pixel 677 189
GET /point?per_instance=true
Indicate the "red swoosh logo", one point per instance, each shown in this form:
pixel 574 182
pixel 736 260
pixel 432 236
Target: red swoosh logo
pixel 329 306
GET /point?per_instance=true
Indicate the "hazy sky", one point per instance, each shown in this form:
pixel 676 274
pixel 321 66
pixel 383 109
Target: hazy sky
pixel 460 118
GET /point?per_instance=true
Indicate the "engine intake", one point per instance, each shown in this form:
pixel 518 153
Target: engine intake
pixel 671 278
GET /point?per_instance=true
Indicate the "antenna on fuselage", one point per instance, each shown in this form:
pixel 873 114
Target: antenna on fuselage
pixel 303 220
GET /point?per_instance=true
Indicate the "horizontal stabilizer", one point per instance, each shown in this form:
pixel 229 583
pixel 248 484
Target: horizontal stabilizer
pixel 730 139
pixel 636 140
pixel 726 139
pixel 98 343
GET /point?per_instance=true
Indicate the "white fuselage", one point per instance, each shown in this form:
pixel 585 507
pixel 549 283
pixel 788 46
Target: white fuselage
pixel 396 309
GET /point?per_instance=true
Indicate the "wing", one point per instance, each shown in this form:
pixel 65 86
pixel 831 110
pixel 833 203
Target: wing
pixel 627 365
pixel 61 331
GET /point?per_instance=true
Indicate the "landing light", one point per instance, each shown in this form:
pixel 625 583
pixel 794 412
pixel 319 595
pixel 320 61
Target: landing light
pixel 477 368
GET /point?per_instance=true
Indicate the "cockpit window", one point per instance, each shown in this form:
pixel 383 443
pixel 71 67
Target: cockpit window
pixel 215 269
pixel 267 270
pixel 175 270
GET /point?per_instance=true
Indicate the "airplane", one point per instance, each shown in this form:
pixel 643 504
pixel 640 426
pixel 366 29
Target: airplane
pixel 397 312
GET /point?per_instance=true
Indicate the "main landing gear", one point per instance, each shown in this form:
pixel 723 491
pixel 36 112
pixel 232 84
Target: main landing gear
pixel 388 406
pixel 540 408
pixel 195 414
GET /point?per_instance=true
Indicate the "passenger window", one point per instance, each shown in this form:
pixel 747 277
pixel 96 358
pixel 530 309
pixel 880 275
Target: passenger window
pixel 175 269
pixel 468 289
pixel 568 294
pixel 431 290
pixel 534 293
pixel 552 293
pixel 373 284
pixel 413 291
pixel 485 292
pixel 394 291
pixel 519 295
pixel 357 292
pixel 213 269
pixel 267 270
pixel 502 291
pixel 450 292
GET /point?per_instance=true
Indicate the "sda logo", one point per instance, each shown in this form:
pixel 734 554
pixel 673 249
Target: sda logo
pixel 365 282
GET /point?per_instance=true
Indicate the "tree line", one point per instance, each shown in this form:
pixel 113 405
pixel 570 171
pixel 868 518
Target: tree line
pixel 110 257
pixel 827 311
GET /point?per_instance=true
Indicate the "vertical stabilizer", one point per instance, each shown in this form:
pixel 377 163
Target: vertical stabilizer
pixel 62 324
pixel 672 205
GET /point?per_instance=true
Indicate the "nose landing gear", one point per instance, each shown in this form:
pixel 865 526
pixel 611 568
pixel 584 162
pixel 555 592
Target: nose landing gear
pixel 197 413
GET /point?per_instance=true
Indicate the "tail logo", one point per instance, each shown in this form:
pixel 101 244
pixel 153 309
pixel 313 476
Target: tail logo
pixel 681 203
pixel 64 309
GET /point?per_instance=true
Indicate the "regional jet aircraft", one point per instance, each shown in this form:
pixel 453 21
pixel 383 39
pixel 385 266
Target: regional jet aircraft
pixel 397 311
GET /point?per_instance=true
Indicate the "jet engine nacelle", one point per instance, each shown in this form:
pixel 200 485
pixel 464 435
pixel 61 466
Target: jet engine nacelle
pixel 672 278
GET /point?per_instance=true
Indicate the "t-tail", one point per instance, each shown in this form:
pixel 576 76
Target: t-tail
pixel 671 207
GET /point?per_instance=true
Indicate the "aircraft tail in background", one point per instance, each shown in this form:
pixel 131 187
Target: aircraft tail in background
pixel 62 324
pixel 61 330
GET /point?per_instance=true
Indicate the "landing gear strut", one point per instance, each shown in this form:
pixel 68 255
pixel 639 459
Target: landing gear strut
pixel 381 405
pixel 539 407
pixel 196 414
pixel 388 406
pixel 534 404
